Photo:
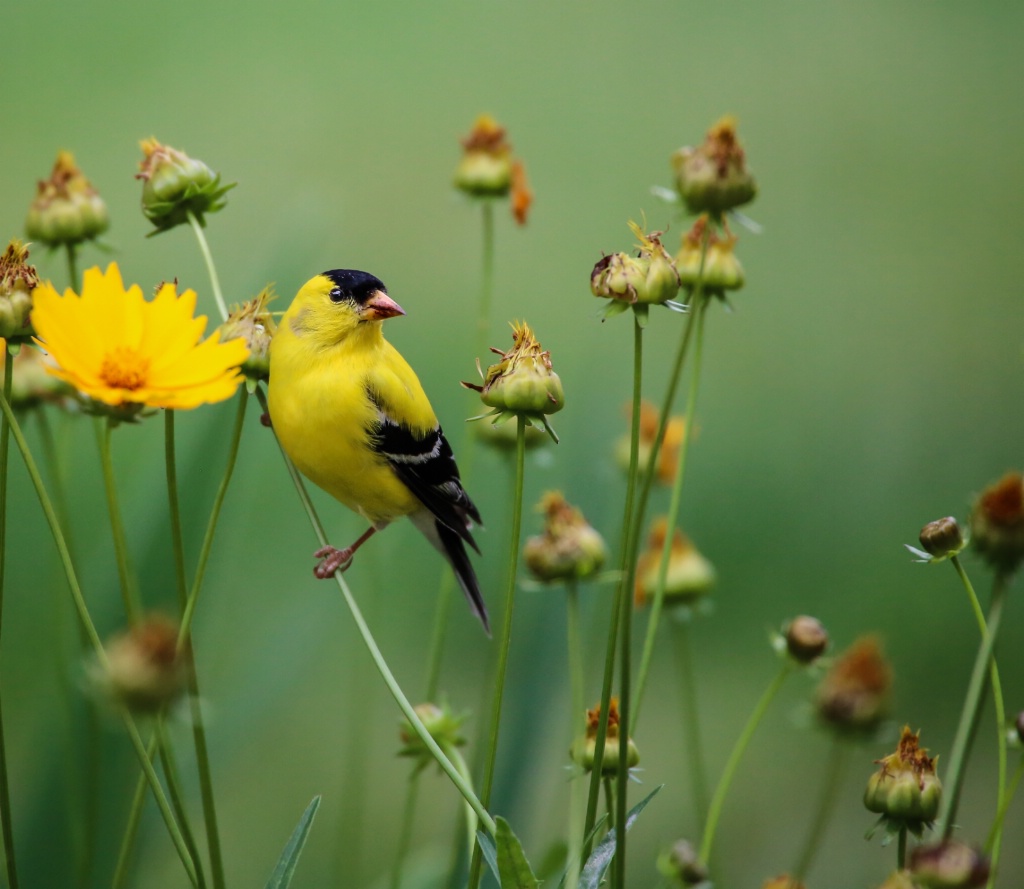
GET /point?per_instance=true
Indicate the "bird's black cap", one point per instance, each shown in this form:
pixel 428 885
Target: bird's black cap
pixel 355 284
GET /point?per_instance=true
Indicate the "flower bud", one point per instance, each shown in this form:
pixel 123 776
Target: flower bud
pixel 485 170
pixel 854 694
pixel 146 669
pixel 722 270
pixel 682 866
pixel 175 185
pixel 713 177
pixel 949 864
pixel 441 724
pixel 806 639
pixel 252 323
pixel 667 464
pixel 17 281
pixel 905 789
pixel 569 548
pixel 997 523
pixel 942 538
pixel 523 381
pixel 584 747
pixel 67 209
pixel 690 576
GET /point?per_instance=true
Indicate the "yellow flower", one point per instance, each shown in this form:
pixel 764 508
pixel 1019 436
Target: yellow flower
pixel 117 348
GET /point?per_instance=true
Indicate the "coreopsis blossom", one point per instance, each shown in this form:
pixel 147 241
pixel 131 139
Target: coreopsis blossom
pixel 123 351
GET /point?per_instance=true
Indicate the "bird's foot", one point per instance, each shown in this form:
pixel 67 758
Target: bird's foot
pixel 331 560
pixel 265 420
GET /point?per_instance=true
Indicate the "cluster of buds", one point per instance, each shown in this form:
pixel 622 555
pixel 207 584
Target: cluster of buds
pixel 522 384
pixel 569 548
pixel 649 278
pixel 253 323
pixel 853 696
pixel 804 639
pixel 949 864
pixel 681 866
pixel 67 210
pixel 667 464
pixel 441 724
pixel 175 186
pixel 713 177
pixel 489 170
pixel 689 576
pixel 997 523
pixel 905 791
pixel 940 540
pixel 17 281
pixel 707 260
pixel 146 669
pixel 583 749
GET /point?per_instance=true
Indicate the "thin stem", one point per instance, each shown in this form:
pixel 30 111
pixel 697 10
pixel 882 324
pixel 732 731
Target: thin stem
pixel 654 619
pixel 901 849
pixel 1011 790
pixel 385 672
pixel 691 719
pixel 576 726
pixel 405 832
pixel 211 269
pixel 72 255
pixel 471 820
pixel 506 639
pixel 971 713
pixel 177 800
pixel 483 323
pixel 624 591
pixel 5 788
pixel 826 806
pixel 129 588
pixel 609 801
pixel 742 742
pixel 131 829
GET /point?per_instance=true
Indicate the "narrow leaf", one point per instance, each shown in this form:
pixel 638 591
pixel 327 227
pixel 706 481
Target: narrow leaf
pixel 514 870
pixel 586 844
pixel 597 864
pixel 489 851
pixel 285 870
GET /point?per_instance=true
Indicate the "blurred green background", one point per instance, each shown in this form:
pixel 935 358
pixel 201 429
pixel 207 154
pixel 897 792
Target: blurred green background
pixel 868 381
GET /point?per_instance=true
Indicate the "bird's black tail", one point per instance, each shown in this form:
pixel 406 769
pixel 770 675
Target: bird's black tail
pixel 450 544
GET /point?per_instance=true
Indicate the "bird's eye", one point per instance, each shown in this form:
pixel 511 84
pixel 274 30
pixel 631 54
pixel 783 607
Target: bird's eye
pixel 336 295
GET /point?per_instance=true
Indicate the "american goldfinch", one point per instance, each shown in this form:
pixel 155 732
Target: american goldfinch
pixel 353 417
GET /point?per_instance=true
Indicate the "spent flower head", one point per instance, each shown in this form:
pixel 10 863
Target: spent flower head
pixel 905 791
pixel 997 523
pixel 853 696
pixel 146 669
pixel 175 185
pixel 649 278
pixel 584 748
pixel 949 864
pixel 254 325
pixel 569 548
pixel 689 578
pixel 17 281
pixel 713 177
pixel 668 455
pixel 681 865
pixel 485 170
pixel 67 210
pixel 716 266
pixel 127 353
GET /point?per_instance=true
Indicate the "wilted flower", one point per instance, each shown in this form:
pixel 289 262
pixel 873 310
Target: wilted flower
pixel 854 694
pixel 997 523
pixel 569 548
pixel 17 281
pixel 721 269
pixel 254 325
pixel 67 209
pixel 949 864
pixel 118 349
pixel 806 639
pixel 667 463
pixel 690 576
pixel 905 791
pixel 650 278
pixel 682 866
pixel 175 185
pixel 713 177
pixel 146 669
pixel 486 166
pixel 584 747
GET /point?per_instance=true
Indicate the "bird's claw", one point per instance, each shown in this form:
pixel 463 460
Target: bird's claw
pixel 332 560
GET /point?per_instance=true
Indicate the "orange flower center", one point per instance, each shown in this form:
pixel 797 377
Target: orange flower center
pixel 124 368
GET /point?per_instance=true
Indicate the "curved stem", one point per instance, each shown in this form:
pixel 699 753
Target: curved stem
pixel 5 790
pixel 577 725
pixel 405 831
pixel 129 588
pixel 826 806
pixel 971 712
pixel 1011 790
pixel 177 801
pixel 506 639
pixel 382 667
pixel 211 269
pixel 471 820
pixel 131 829
pixel 742 742
pixel 691 720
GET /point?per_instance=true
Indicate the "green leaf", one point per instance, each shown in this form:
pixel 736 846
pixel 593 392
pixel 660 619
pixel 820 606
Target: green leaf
pixel 586 845
pixel 513 869
pixel 597 865
pixel 641 312
pixel 285 870
pixel 489 851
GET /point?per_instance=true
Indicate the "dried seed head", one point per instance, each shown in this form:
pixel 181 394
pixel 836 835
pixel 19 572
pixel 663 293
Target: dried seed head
pixel 714 177
pixel 905 789
pixel 523 381
pixel 690 576
pixel 949 864
pixel 584 747
pixel 255 326
pixel 67 210
pixel 486 166
pixel 569 548
pixel 854 694
pixel 17 281
pixel 721 268
pixel 997 523
pixel 174 185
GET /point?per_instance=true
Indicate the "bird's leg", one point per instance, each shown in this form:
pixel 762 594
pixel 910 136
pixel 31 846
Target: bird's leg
pixel 332 559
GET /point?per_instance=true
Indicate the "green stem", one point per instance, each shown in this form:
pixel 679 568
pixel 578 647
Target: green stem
pixel 673 518
pixel 131 829
pixel 371 645
pixel 177 800
pixel 471 820
pixel 971 713
pixel 577 725
pixel 609 802
pixel 691 720
pixel 90 631
pixel 405 832
pixel 5 789
pixel 742 742
pixel 1011 790
pixel 72 254
pixel 129 588
pixel 826 806
pixel 483 323
pixel 901 849
pixel 211 269
pixel 506 640
pixel 624 591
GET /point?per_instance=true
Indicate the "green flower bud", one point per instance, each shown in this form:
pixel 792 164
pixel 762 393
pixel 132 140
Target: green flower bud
pixel 714 178
pixel 942 538
pixel 722 270
pixel 584 748
pixel 486 166
pixel 997 523
pixel 255 326
pixel 806 639
pixel 67 210
pixel 949 864
pixel 690 576
pixel 17 281
pixel 905 789
pixel 146 670
pixel 441 724
pixel 175 185
pixel 569 548
pixel 523 381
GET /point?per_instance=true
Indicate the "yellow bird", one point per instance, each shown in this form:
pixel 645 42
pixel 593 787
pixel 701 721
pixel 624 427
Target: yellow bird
pixel 353 417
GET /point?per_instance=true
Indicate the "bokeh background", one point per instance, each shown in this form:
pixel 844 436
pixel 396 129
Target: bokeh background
pixel 868 381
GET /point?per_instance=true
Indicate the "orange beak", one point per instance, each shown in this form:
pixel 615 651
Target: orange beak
pixel 380 306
